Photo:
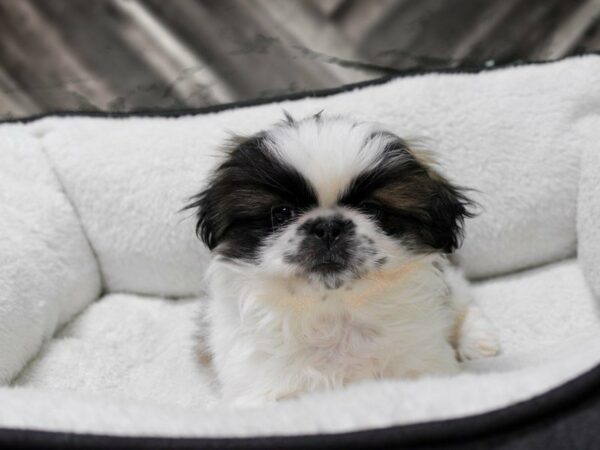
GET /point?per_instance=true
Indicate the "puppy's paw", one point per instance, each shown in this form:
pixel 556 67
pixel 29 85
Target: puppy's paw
pixel 478 344
pixel 477 337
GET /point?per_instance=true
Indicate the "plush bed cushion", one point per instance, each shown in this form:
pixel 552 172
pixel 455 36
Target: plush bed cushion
pixel 588 211
pixel 47 270
pixel 125 366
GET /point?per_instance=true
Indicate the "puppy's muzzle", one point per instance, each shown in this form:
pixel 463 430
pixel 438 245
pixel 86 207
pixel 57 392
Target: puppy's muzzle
pixel 329 230
pixel 327 244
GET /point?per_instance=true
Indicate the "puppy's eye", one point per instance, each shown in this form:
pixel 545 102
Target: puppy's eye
pixel 281 214
pixel 370 207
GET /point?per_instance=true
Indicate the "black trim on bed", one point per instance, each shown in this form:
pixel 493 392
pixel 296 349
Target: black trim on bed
pixel 565 417
pixel 472 69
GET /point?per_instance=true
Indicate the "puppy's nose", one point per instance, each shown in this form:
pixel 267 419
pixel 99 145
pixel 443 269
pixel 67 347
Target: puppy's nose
pixel 328 229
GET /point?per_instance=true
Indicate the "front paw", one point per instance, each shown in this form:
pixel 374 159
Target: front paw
pixel 477 337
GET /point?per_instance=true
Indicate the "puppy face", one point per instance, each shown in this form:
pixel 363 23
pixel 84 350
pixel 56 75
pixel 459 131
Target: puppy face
pixel 329 200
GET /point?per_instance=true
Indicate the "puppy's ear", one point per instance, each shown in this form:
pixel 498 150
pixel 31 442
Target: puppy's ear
pixel 232 194
pixel 209 218
pixel 448 207
pixel 214 205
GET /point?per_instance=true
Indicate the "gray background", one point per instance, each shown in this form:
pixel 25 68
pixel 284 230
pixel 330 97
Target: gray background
pixel 125 55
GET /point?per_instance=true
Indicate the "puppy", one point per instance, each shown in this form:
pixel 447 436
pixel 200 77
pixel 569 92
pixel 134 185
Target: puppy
pixel 329 241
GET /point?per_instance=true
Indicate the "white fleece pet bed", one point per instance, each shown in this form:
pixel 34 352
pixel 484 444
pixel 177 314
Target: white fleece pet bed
pixel 101 276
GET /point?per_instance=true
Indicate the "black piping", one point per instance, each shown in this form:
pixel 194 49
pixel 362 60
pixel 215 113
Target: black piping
pixel 472 69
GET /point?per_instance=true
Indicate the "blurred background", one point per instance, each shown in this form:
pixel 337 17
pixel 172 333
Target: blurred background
pixel 131 55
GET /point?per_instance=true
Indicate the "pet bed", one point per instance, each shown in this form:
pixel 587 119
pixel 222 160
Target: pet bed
pixel 101 275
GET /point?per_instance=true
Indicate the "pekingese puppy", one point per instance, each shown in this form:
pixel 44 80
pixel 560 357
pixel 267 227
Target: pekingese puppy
pixel 329 240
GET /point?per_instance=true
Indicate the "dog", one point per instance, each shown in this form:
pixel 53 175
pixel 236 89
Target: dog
pixel 330 241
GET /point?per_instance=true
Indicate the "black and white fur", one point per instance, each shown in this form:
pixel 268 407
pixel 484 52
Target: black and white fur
pixel 329 239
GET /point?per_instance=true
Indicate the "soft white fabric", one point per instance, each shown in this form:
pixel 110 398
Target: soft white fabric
pixel 47 270
pixel 128 179
pixel 126 365
pixel 128 368
pixel 588 212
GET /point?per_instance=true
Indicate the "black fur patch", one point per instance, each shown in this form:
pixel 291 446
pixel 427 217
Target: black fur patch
pixel 234 211
pixel 415 202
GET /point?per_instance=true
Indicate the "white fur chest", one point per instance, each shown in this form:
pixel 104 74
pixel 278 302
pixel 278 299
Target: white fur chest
pixel 311 339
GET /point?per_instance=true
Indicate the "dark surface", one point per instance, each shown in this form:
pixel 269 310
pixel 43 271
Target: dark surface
pixel 124 55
